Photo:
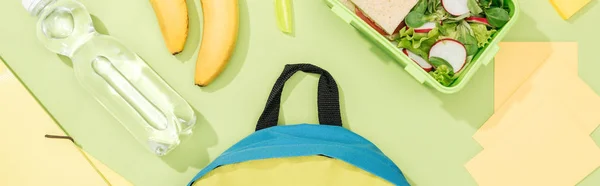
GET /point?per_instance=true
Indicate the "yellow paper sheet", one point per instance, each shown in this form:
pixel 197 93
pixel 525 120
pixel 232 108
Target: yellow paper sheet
pixel 543 85
pixel 567 8
pixel 538 152
pixel 512 77
pixel 540 134
pixel 27 157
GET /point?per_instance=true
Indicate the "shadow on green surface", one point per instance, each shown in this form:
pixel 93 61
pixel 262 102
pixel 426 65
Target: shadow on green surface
pixel 99 25
pixel 100 28
pixel 410 181
pixel 289 87
pixel 462 106
pixel 193 38
pixel 239 55
pixel 66 60
pixel 583 11
pixel 192 151
pixel 377 50
pixel 525 30
pixel 345 121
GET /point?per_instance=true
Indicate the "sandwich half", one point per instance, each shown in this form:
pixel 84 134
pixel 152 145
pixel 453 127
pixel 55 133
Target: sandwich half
pixel 385 16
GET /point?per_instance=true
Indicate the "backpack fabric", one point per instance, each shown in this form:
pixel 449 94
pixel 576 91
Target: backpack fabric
pixel 319 154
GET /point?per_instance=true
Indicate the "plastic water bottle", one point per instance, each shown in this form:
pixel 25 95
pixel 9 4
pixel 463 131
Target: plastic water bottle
pixel 118 78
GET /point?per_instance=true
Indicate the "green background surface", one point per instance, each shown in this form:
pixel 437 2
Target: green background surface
pixel 426 133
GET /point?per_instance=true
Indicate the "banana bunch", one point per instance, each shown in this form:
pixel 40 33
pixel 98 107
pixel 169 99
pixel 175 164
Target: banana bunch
pixel 219 33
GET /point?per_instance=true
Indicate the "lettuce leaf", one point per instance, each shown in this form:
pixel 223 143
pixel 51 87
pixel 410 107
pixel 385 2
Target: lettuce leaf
pixel 482 34
pixel 498 3
pixel 417 17
pixel 421 6
pixel 442 75
pixel 438 15
pixel 497 17
pixel 406 44
pixel 485 4
pixel 448 29
pixel 466 36
pixel 443 72
pixel 418 43
pixel 433 6
pixel 474 7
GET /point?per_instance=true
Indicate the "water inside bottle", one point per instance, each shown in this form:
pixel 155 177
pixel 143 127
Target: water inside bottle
pixel 59 24
pixel 63 28
pixel 119 79
pixel 105 69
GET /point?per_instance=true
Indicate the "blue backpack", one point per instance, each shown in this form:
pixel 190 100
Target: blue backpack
pixel 329 139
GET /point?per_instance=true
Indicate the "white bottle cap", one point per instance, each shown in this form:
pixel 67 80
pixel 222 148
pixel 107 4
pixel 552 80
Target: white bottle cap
pixel 30 4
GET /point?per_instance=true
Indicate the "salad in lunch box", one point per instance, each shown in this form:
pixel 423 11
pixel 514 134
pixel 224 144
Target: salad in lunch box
pixel 441 36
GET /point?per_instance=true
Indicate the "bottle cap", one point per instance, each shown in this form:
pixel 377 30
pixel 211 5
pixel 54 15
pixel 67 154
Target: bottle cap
pixel 30 4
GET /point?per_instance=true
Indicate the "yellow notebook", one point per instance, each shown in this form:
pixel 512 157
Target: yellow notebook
pixel 28 158
pixel 568 8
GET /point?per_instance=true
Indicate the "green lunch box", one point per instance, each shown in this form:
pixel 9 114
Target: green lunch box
pixel 483 57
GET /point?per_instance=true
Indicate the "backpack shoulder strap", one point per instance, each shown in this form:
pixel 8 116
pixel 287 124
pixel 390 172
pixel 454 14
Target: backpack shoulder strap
pixel 327 97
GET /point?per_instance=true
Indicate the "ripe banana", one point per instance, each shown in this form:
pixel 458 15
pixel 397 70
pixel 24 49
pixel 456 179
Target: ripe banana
pixel 219 37
pixel 173 18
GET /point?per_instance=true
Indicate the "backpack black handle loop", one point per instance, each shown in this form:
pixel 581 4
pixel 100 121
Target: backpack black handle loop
pixel 327 97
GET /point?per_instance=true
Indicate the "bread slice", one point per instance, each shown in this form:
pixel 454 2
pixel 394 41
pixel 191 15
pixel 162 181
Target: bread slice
pixel 387 14
pixel 348 4
pixel 370 22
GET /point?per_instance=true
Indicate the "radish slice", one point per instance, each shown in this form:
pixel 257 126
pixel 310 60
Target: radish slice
pixel 418 59
pixel 455 7
pixel 426 27
pixel 452 51
pixel 481 20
